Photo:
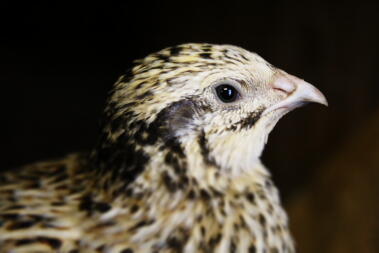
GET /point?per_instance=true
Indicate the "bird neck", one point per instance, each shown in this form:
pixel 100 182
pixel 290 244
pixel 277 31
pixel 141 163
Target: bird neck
pixel 178 186
pixel 187 165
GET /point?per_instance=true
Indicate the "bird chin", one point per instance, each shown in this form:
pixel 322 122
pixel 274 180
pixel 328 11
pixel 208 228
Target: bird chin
pixel 272 117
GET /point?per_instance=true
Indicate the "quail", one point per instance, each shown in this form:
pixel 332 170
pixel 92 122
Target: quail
pixel 176 167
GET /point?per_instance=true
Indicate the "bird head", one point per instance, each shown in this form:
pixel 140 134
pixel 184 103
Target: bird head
pixel 217 103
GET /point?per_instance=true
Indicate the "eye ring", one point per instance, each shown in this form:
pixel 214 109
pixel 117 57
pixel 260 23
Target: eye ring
pixel 227 93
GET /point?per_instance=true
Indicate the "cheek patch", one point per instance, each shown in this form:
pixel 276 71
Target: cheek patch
pixel 180 117
pixel 249 121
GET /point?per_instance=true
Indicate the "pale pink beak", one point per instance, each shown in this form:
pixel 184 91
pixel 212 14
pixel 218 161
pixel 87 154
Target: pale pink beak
pixel 299 92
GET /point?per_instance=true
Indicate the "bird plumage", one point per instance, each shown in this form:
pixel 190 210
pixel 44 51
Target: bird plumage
pixel 176 168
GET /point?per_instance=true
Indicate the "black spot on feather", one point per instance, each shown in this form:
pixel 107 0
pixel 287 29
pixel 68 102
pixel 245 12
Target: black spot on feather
pixel 168 181
pixel 205 195
pixel 191 195
pixel 128 250
pixel 232 247
pixel 243 57
pixel 252 249
pixel 262 220
pixel 102 207
pixel 205 152
pixel 142 224
pixel 145 95
pixel 251 197
pixel 21 225
pixel 249 121
pixel 205 55
pixel 128 75
pixel 134 208
pixel 215 240
pixel 174 51
pixel 14 207
pixel 10 216
pixel 163 57
pixel 89 205
pixel 52 242
pixel 175 244
pixel 207 48
pixel 21 242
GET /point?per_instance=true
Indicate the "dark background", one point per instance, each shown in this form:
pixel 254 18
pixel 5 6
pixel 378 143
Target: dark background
pixel 58 61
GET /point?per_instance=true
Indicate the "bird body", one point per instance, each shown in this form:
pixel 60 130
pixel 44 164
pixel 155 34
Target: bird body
pixel 69 215
pixel 176 168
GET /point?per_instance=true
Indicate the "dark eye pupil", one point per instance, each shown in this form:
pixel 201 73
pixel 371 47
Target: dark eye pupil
pixel 226 93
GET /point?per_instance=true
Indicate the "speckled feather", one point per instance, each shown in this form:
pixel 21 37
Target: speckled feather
pixel 175 170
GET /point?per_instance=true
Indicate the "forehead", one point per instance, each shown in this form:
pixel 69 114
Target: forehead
pixel 197 59
pixel 197 53
pixel 179 70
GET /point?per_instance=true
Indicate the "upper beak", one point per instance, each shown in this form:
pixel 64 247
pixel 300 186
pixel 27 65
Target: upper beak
pixel 298 92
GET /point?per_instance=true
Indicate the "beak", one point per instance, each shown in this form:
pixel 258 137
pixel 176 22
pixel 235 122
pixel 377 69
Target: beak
pixel 298 92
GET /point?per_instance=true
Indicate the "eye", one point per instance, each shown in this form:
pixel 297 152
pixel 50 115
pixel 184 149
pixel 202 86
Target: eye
pixel 227 93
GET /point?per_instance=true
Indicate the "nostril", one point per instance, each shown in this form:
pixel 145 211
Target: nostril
pixel 283 84
pixel 279 89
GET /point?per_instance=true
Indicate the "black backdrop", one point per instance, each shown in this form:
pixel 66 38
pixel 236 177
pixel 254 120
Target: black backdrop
pixel 59 59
